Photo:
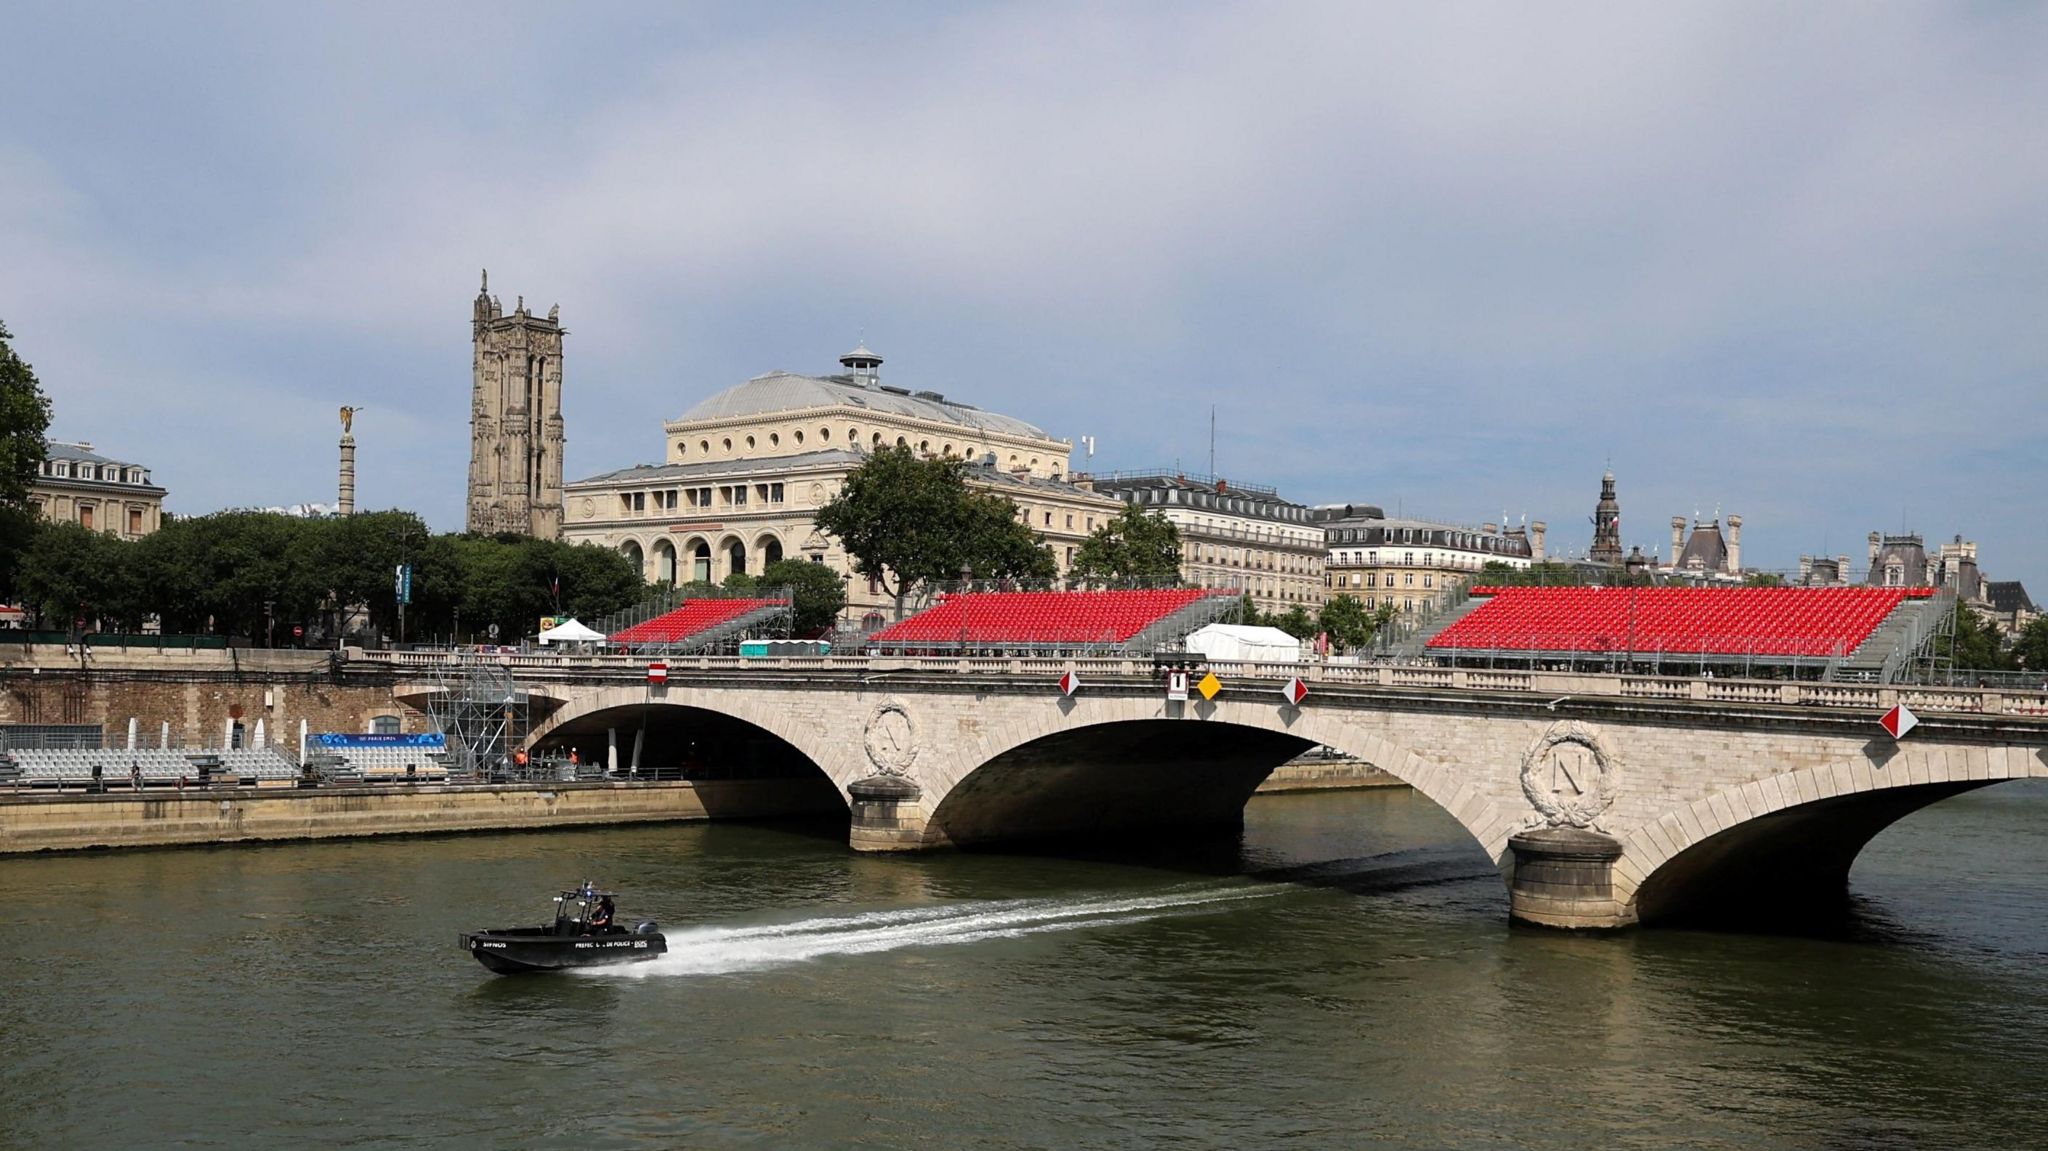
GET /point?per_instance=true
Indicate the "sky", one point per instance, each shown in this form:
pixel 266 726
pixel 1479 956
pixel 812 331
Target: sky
pixel 1788 261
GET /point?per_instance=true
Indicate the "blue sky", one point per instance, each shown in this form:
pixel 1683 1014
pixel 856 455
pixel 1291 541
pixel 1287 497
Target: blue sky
pixel 1789 261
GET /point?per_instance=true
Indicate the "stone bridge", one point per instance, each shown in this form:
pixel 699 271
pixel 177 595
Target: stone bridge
pixel 1604 800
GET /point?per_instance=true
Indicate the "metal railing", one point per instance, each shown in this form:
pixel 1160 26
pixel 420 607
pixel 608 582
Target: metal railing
pixel 833 672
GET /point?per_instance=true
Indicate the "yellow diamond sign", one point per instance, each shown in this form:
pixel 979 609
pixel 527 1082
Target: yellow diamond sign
pixel 1209 686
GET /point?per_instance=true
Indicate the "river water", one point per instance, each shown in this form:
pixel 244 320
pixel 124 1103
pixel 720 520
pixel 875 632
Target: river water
pixel 1341 976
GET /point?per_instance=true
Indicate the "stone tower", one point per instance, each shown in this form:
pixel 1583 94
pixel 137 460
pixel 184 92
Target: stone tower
pixel 1607 525
pixel 515 420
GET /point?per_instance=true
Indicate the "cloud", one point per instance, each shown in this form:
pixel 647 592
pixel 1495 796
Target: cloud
pixel 1789 261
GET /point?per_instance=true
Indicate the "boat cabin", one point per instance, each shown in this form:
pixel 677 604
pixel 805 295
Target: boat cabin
pixel 574 909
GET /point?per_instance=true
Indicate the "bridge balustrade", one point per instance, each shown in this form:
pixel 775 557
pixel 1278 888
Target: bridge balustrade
pixel 1990 700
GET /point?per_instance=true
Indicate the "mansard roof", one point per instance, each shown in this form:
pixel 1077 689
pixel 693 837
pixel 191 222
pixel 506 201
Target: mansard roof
pixel 660 473
pixel 1704 547
pixel 787 392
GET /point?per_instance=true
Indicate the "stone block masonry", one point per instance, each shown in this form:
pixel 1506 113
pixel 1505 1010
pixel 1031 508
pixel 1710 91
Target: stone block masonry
pixel 199 698
pixel 249 815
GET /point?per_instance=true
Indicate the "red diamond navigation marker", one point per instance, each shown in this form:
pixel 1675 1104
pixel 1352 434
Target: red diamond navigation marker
pixel 1070 683
pixel 1898 721
pixel 657 673
pixel 1295 691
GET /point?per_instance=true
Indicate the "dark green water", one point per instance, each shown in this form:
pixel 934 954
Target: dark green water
pixel 1344 977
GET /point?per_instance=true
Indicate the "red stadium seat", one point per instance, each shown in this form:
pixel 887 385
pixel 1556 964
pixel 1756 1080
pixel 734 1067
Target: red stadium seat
pixel 694 617
pixel 1783 621
pixel 1035 618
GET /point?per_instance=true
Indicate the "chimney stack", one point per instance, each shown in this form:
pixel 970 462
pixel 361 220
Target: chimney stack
pixel 1677 538
pixel 1734 545
pixel 1875 539
pixel 1536 531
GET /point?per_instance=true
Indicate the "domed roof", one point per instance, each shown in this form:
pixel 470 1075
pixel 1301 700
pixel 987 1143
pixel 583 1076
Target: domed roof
pixel 788 392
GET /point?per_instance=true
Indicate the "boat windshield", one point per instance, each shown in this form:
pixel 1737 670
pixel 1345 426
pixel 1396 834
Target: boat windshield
pixel 571 909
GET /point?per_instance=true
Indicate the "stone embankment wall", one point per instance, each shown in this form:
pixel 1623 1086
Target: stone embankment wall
pixel 197 692
pixel 246 815
pixel 1313 773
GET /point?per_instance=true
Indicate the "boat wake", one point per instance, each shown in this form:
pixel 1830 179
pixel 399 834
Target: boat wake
pixel 727 950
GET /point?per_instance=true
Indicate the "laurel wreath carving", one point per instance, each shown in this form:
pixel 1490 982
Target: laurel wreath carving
pixel 1596 794
pixel 891 738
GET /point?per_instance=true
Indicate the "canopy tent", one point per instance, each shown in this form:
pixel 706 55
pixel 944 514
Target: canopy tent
pixel 571 631
pixel 1238 643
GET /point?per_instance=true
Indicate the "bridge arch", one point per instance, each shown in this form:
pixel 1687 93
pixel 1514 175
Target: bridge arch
pixel 730 725
pixel 1782 846
pixel 1106 763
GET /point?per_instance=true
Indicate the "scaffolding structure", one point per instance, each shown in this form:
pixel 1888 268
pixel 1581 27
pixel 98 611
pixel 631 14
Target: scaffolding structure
pixel 482 710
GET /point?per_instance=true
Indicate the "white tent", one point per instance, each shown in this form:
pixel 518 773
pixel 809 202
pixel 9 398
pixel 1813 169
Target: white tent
pixel 1238 643
pixel 571 631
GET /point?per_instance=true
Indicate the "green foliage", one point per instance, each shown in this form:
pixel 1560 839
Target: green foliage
pixel 1349 623
pixel 2030 650
pixel 18 529
pixel 818 593
pixel 72 573
pixel 247 573
pixel 24 418
pixel 909 521
pixel 1978 646
pixel 995 543
pixel 1763 579
pixel 1295 621
pixel 1135 546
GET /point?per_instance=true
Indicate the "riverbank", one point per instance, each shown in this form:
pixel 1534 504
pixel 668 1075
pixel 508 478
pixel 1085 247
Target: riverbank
pixel 32 822
pixel 1311 773
pixel 36 823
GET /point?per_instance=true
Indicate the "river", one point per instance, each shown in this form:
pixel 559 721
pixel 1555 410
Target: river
pixel 1341 976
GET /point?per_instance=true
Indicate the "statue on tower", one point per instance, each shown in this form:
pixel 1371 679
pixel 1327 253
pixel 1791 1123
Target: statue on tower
pixel 348 417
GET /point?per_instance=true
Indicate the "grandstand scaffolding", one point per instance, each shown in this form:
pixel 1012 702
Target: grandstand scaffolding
pixel 698 618
pixel 482 710
pixel 998 618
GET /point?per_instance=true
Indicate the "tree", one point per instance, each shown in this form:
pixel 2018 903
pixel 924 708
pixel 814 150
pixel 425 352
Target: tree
pixel 2030 650
pixel 896 515
pixel 1763 579
pixel 908 521
pixel 1349 623
pixel 1978 646
pixel 995 543
pixel 73 573
pixel 1135 546
pixel 24 418
pixel 817 593
pixel 1295 621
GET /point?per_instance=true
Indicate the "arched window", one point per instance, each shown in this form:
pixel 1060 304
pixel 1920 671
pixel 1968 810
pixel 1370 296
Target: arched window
pixel 750 443
pixel 384 725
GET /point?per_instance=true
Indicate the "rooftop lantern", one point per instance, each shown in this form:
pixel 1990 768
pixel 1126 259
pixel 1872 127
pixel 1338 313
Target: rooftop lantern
pixel 864 366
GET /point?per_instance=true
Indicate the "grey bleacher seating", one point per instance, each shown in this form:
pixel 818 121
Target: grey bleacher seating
pixel 67 766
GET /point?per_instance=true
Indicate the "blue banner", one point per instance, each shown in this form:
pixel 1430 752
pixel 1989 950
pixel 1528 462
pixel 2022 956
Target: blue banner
pixel 347 739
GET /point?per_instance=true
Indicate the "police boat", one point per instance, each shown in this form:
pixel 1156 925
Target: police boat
pixel 582 935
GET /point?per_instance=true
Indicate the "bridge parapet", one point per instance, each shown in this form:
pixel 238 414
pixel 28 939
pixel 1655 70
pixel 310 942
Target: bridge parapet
pixel 824 670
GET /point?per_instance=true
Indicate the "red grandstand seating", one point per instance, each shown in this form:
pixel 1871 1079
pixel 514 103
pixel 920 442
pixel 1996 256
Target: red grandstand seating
pixel 1779 621
pixel 692 618
pixel 1037 618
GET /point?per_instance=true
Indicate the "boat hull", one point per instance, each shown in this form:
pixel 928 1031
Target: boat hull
pixel 521 951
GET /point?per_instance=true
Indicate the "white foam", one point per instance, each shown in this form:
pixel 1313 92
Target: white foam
pixel 728 949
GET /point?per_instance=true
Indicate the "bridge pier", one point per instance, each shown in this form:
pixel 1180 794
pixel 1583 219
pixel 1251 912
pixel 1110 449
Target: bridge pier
pixel 1564 877
pixel 887 814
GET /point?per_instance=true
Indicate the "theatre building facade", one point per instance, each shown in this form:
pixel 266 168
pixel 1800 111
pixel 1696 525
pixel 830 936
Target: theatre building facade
pixel 747 470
